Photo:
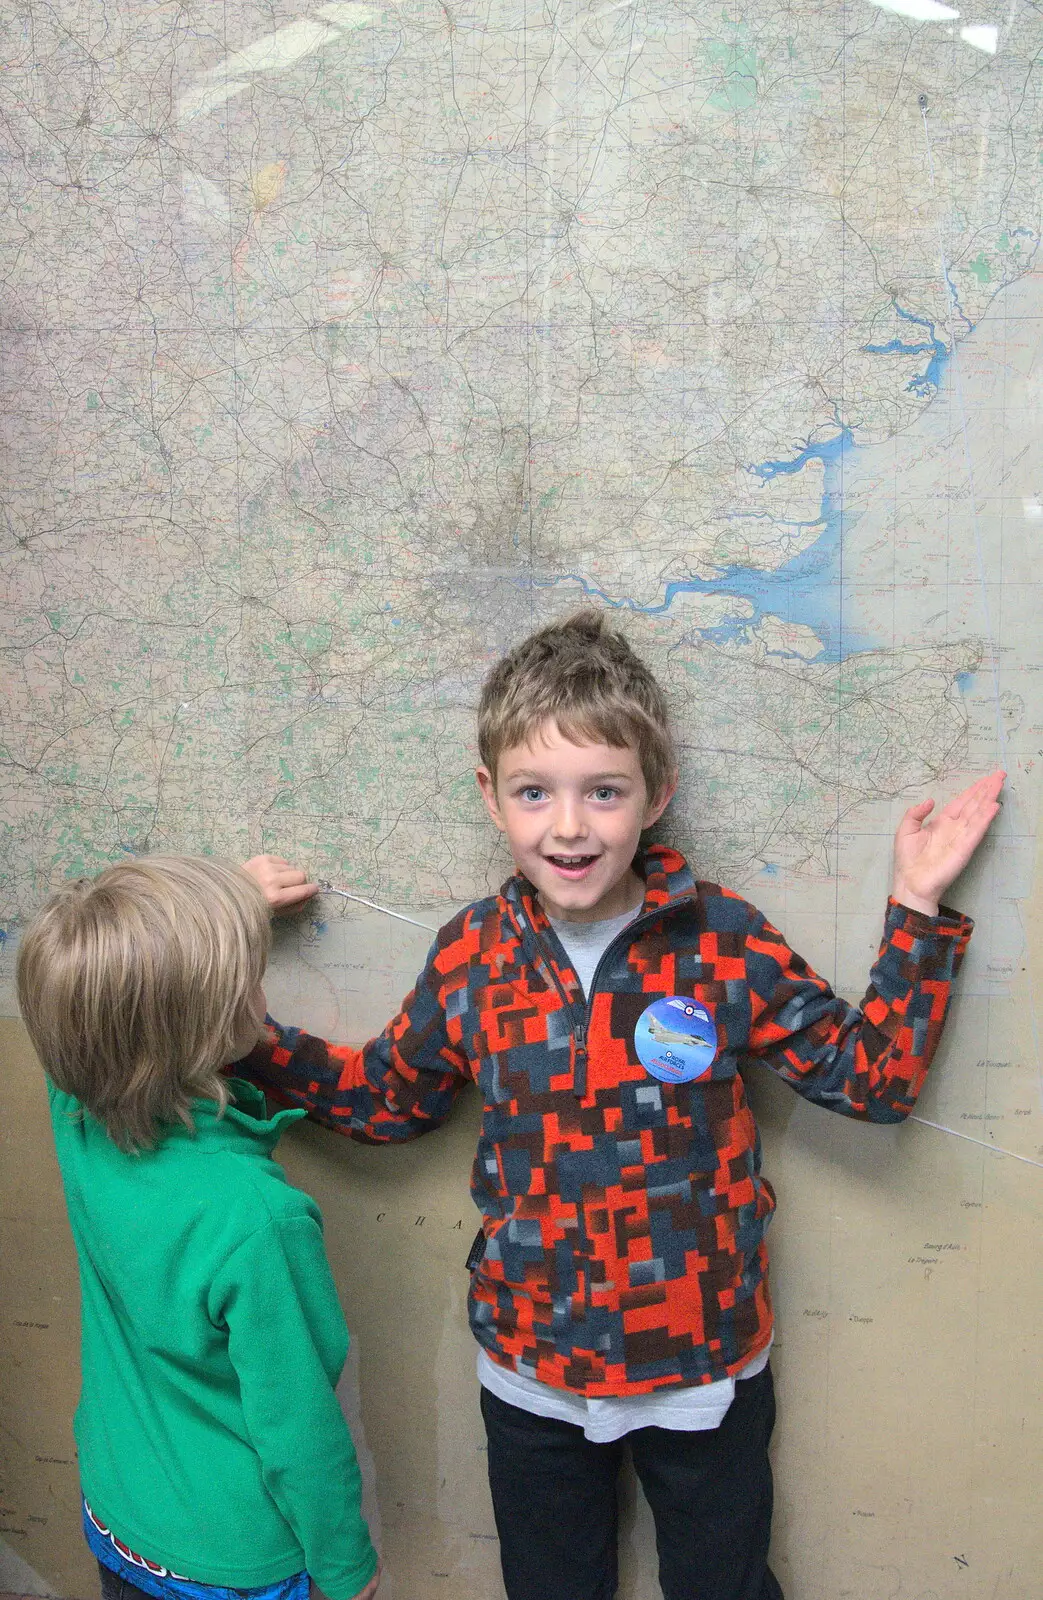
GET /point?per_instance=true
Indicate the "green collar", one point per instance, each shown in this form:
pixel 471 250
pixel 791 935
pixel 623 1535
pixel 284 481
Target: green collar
pixel 245 1122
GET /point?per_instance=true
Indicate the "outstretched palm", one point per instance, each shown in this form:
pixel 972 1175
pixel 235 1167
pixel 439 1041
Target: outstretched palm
pixel 929 855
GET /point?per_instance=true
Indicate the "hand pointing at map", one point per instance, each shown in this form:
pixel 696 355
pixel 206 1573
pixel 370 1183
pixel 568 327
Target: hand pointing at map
pixel 286 887
pixel 928 855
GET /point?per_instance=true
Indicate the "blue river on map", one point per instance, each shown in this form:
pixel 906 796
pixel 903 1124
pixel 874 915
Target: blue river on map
pixel 809 588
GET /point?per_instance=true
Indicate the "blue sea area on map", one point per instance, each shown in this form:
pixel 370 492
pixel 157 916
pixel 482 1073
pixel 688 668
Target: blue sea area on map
pixel 926 383
pixel 807 589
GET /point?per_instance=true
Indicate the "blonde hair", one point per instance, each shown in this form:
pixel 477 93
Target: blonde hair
pixel 583 676
pixel 136 985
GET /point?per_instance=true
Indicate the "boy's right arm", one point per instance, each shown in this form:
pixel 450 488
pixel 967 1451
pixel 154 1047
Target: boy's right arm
pixel 394 1088
pixel 398 1086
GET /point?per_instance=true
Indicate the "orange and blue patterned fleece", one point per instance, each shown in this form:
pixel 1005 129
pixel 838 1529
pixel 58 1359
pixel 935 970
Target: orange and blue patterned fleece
pixel 625 1217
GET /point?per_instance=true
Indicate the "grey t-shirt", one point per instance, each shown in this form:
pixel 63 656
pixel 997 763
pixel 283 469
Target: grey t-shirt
pixel 586 942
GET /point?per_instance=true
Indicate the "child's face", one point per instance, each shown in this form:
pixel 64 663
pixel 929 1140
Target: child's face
pixel 573 815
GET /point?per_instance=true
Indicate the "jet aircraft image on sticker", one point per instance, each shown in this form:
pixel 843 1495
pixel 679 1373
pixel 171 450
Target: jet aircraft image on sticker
pixel 676 1040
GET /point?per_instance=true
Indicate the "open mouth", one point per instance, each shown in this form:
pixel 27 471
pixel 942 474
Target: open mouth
pixel 572 866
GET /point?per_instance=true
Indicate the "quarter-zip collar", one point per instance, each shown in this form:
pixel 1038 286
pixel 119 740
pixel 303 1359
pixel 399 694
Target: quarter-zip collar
pixel 243 1127
pixel 668 884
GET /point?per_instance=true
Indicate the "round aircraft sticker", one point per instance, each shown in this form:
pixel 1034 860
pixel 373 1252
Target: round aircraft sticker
pixel 676 1040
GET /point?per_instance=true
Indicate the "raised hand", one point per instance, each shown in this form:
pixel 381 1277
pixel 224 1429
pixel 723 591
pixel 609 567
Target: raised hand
pixel 929 855
pixel 285 886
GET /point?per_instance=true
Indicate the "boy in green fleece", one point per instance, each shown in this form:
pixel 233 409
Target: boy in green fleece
pixel 213 1452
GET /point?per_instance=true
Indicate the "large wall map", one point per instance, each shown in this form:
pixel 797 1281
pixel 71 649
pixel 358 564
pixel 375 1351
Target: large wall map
pixel 343 345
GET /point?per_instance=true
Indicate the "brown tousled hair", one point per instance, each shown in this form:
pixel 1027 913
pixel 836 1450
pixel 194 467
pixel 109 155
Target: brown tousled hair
pixel 136 985
pixel 582 675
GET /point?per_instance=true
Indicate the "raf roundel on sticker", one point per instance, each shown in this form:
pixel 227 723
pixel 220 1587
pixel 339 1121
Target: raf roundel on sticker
pixel 676 1040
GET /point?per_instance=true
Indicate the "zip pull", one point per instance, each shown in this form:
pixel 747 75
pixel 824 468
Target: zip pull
pixel 579 1076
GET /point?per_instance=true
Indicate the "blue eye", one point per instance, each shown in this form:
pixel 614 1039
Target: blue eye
pixel 604 791
pixel 532 793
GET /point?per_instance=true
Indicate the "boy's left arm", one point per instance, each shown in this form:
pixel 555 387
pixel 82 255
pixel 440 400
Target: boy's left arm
pixel 871 1061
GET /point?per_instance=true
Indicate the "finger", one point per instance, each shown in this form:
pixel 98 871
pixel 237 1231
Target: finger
pixel 271 872
pixel 286 875
pixel 987 787
pixel 292 894
pixel 985 805
pixel 274 872
pixel 957 806
pixel 980 820
pixel 956 848
pixel 915 815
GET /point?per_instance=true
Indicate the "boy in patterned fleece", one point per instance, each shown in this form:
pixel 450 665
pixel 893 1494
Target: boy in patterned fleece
pixel 607 1004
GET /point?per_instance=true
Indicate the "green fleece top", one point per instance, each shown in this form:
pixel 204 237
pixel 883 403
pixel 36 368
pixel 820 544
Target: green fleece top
pixel 210 1437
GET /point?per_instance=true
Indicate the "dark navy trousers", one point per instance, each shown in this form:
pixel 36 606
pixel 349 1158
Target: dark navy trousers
pixel 555 1501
